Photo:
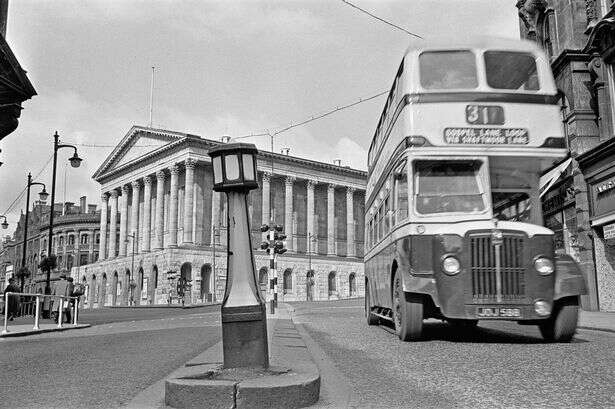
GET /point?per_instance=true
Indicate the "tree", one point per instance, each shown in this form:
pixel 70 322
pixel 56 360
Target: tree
pixel 48 263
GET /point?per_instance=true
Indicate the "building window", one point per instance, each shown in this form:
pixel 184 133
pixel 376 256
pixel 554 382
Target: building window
pixel 83 239
pixel 71 240
pixel 61 241
pixel 288 281
pixel 97 239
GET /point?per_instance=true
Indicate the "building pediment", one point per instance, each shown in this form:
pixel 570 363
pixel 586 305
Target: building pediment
pixel 138 144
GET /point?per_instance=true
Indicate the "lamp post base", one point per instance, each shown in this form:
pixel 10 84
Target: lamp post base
pixel 244 336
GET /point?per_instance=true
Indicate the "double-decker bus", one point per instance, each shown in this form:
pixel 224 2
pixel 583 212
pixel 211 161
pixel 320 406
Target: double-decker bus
pixel 454 227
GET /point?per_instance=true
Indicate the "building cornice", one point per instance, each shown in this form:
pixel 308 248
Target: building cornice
pixel 605 149
pixel 566 57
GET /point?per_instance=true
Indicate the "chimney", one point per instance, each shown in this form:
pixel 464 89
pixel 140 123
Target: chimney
pixel 285 151
pixel 337 162
pixel 225 139
pixel 92 208
pixel 82 204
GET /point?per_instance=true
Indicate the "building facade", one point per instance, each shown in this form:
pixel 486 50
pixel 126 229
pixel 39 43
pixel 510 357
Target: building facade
pixel 75 241
pixel 579 38
pixel 161 220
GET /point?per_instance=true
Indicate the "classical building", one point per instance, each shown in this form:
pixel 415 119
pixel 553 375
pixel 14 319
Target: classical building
pixel 161 220
pixel 75 241
pixel 579 37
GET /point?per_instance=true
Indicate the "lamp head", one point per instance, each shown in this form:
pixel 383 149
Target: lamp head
pixel 75 161
pixel 5 225
pixel 43 195
pixel 234 167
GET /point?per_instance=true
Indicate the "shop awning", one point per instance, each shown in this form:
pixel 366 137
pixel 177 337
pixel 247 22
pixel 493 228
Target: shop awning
pixel 548 179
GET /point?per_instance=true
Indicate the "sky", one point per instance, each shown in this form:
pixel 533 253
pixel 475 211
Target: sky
pixel 221 68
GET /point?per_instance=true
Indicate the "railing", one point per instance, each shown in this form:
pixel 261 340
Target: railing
pixel 35 305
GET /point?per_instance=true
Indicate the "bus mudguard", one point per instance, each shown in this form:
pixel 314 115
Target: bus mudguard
pixel 569 280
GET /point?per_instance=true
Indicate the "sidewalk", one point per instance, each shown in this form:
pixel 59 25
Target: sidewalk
pixel 21 330
pixel 287 349
pixel 597 320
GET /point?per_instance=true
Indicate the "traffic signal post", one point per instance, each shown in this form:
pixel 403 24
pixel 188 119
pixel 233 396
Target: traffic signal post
pixel 274 246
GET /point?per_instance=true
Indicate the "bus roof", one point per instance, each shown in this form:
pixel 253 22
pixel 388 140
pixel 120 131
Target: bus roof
pixel 478 42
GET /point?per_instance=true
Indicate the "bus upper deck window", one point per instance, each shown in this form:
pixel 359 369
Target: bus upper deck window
pixel 511 70
pixel 448 70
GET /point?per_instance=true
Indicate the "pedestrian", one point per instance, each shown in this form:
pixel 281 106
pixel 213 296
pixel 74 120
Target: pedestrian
pixel 12 304
pixel 63 288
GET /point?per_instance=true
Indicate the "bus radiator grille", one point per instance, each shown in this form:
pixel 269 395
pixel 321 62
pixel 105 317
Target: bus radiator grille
pixel 483 271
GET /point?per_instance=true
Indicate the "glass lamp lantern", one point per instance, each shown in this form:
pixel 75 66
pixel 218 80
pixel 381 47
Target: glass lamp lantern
pixel 234 167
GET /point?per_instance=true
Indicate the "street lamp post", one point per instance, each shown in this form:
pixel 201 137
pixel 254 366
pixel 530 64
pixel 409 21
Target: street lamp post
pixel 244 320
pixel 75 162
pixel 131 283
pixel 43 196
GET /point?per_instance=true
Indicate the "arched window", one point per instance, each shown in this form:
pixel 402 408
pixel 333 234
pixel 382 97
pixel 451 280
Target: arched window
pixel 71 240
pixel 352 285
pixel 332 283
pixel 288 281
pixel 186 271
pixel 205 282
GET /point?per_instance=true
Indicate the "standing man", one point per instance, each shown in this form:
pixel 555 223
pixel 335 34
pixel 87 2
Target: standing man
pixel 64 288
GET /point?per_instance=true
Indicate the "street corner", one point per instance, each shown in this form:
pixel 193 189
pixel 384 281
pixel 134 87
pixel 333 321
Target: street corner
pixel 26 330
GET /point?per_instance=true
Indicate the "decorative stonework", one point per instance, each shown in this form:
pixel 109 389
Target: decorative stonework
pixel 160 176
pixel 147 181
pixel 530 12
pixel 190 163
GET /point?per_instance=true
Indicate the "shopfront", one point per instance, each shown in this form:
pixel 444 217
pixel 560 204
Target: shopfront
pixel 598 167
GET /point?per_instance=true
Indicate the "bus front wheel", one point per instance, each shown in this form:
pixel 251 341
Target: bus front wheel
pixel 563 322
pixel 407 313
pixel 371 318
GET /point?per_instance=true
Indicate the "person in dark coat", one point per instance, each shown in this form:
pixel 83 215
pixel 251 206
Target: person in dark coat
pixel 13 301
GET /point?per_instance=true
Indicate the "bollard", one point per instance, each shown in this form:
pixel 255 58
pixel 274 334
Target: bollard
pixel 60 318
pixel 76 311
pixel 37 313
pixel 6 312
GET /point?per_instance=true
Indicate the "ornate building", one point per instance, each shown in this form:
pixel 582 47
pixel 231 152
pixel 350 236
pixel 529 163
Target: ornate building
pixel 157 187
pixel 579 37
pixel 75 241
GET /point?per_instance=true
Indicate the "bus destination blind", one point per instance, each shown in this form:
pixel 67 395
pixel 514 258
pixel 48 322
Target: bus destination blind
pixel 486 136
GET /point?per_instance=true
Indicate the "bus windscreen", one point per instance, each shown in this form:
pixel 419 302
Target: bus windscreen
pixel 511 70
pixel 448 187
pixel 448 70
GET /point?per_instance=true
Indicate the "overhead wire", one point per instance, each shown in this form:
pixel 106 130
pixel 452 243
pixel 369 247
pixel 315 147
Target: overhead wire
pixel 20 195
pixel 381 19
pixel 314 117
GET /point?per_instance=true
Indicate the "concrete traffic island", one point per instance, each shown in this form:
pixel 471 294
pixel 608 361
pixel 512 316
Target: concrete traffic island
pixel 291 381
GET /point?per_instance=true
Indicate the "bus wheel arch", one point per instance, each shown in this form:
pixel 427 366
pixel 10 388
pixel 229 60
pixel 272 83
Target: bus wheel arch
pixel 370 317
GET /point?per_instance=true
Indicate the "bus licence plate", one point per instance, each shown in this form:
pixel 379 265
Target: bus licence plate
pixel 498 312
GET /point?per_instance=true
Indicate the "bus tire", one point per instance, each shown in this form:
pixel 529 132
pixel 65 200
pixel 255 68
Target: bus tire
pixel 407 313
pixel 371 318
pixel 562 324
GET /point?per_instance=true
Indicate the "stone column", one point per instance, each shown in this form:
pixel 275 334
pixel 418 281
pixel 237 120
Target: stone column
pixel 266 195
pixel 350 252
pixel 113 224
pixel 173 206
pixel 104 214
pixel 147 213
pixel 134 214
pixel 288 214
pixel 311 184
pixel 331 220
pixel 123 220
pixel 159 209
pixel 189 201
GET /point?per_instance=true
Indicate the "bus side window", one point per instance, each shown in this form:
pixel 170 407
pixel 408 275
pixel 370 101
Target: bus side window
pixel 401 194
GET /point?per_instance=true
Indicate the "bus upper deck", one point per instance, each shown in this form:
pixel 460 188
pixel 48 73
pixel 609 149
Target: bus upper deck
pixel 491 97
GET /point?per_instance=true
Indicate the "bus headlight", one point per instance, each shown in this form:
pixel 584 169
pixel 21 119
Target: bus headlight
pixel 544 266
pixel 451 265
